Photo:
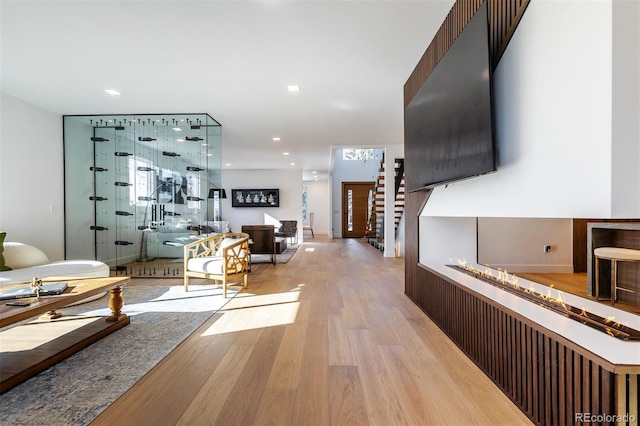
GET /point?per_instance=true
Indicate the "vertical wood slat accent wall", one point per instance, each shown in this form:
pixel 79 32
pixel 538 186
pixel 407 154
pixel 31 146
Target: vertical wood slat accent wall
pixel 504 16
pixel 413 204
pixel 548 377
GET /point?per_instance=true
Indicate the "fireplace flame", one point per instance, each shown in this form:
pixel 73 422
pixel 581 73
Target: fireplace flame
pixel 506 280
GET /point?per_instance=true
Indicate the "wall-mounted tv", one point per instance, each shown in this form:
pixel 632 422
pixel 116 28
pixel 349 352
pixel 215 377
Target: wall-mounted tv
pixel 449 123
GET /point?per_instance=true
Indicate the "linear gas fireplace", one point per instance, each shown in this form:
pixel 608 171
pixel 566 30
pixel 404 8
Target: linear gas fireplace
pixel 554 302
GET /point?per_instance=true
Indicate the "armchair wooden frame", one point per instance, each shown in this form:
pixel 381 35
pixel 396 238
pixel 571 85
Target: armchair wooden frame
pixel 233 259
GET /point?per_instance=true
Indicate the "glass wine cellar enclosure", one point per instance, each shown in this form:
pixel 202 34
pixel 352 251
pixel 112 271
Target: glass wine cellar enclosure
pixel 138 187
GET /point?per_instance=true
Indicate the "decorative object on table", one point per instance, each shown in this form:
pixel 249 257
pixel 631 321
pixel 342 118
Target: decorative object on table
pixel 35 289
pixel 255 198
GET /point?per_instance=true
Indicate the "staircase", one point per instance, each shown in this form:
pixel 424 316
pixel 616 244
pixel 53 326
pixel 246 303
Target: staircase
pixel 375 224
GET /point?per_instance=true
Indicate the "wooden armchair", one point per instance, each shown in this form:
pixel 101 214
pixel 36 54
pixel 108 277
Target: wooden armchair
pixel 222 257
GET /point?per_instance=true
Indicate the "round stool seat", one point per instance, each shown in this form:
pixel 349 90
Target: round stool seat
pixel 617 253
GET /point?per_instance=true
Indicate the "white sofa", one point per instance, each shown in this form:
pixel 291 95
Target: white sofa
pixel 27 262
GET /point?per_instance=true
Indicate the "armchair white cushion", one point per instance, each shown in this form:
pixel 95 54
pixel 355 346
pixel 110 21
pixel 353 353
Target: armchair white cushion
pixel 221 257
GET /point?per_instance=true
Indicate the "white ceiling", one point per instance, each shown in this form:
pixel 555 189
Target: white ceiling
pixel 232 60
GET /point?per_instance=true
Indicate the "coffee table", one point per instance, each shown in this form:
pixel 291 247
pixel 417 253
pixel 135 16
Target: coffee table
pixel 26 350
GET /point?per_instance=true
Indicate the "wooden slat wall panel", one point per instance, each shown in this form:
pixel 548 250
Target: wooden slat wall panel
pixel 413 203
pixel 543 374
pixel 504 16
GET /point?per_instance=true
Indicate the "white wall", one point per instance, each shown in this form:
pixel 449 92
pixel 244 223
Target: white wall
pixel 391 152
pixel 318 203
pixel 449 239
pixel 31 176
pixel 517 244
pixel 289 182
pixel 566 104
pixel 553 104
pixel 626 108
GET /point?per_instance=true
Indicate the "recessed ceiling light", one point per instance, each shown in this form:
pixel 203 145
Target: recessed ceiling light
pixel 179 140
pixel 285 153
pixel 205 144
pixel 177 129
pixel 293 88
pixel 112 92
pixel 227 164
pixel 314 172
pixel 209 155
pixel 292 164
pixel 276 138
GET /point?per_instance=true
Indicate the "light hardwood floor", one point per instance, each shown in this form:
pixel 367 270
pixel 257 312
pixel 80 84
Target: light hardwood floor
pixel 327 339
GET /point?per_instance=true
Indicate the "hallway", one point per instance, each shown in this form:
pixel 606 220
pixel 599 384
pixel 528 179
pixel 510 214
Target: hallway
pixel 328 338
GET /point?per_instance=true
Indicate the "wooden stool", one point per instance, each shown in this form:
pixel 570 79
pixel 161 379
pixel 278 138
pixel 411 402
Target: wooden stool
pixel 615 255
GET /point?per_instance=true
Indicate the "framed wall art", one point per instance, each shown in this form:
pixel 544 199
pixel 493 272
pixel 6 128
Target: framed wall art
pixel 255 198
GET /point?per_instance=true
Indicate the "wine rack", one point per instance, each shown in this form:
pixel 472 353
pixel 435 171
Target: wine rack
pixel 133 176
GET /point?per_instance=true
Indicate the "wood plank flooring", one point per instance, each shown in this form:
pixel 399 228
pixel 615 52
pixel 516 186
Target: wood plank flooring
pixel 328 338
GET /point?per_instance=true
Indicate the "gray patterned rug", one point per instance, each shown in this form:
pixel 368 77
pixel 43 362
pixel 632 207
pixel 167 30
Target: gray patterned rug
pixel 76 390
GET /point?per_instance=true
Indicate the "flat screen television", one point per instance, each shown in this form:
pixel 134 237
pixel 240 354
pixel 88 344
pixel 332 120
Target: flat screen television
pixel 449 131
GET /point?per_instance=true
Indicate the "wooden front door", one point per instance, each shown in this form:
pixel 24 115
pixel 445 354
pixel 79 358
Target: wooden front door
pixel 356 198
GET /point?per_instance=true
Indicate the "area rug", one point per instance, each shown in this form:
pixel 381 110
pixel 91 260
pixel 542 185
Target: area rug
pixel 283 257
pixel 76 390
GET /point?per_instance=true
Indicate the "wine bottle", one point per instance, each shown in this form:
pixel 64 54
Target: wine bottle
pixel 145 198
pixel 121 213
pixel 98 169
pixel 193 138
pixel 191 198
pixel 123 243
pixel 146 139
pixel 141 227
pixel 170 154
pixel 99 139
pixel 194 169
pixel 122 154
pixel 95 198
pixel 98 228
pixel 145 169
pixel 123 184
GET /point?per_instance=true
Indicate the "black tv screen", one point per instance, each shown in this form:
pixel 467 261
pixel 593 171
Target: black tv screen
pixel 449 122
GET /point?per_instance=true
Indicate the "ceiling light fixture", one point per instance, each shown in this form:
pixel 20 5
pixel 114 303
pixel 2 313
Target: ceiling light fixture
pixel 292 164
pixel 179 140
pixel 276 139
pixel 285 153
pixel 112 92
pixel 293 88
pixel 177 129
